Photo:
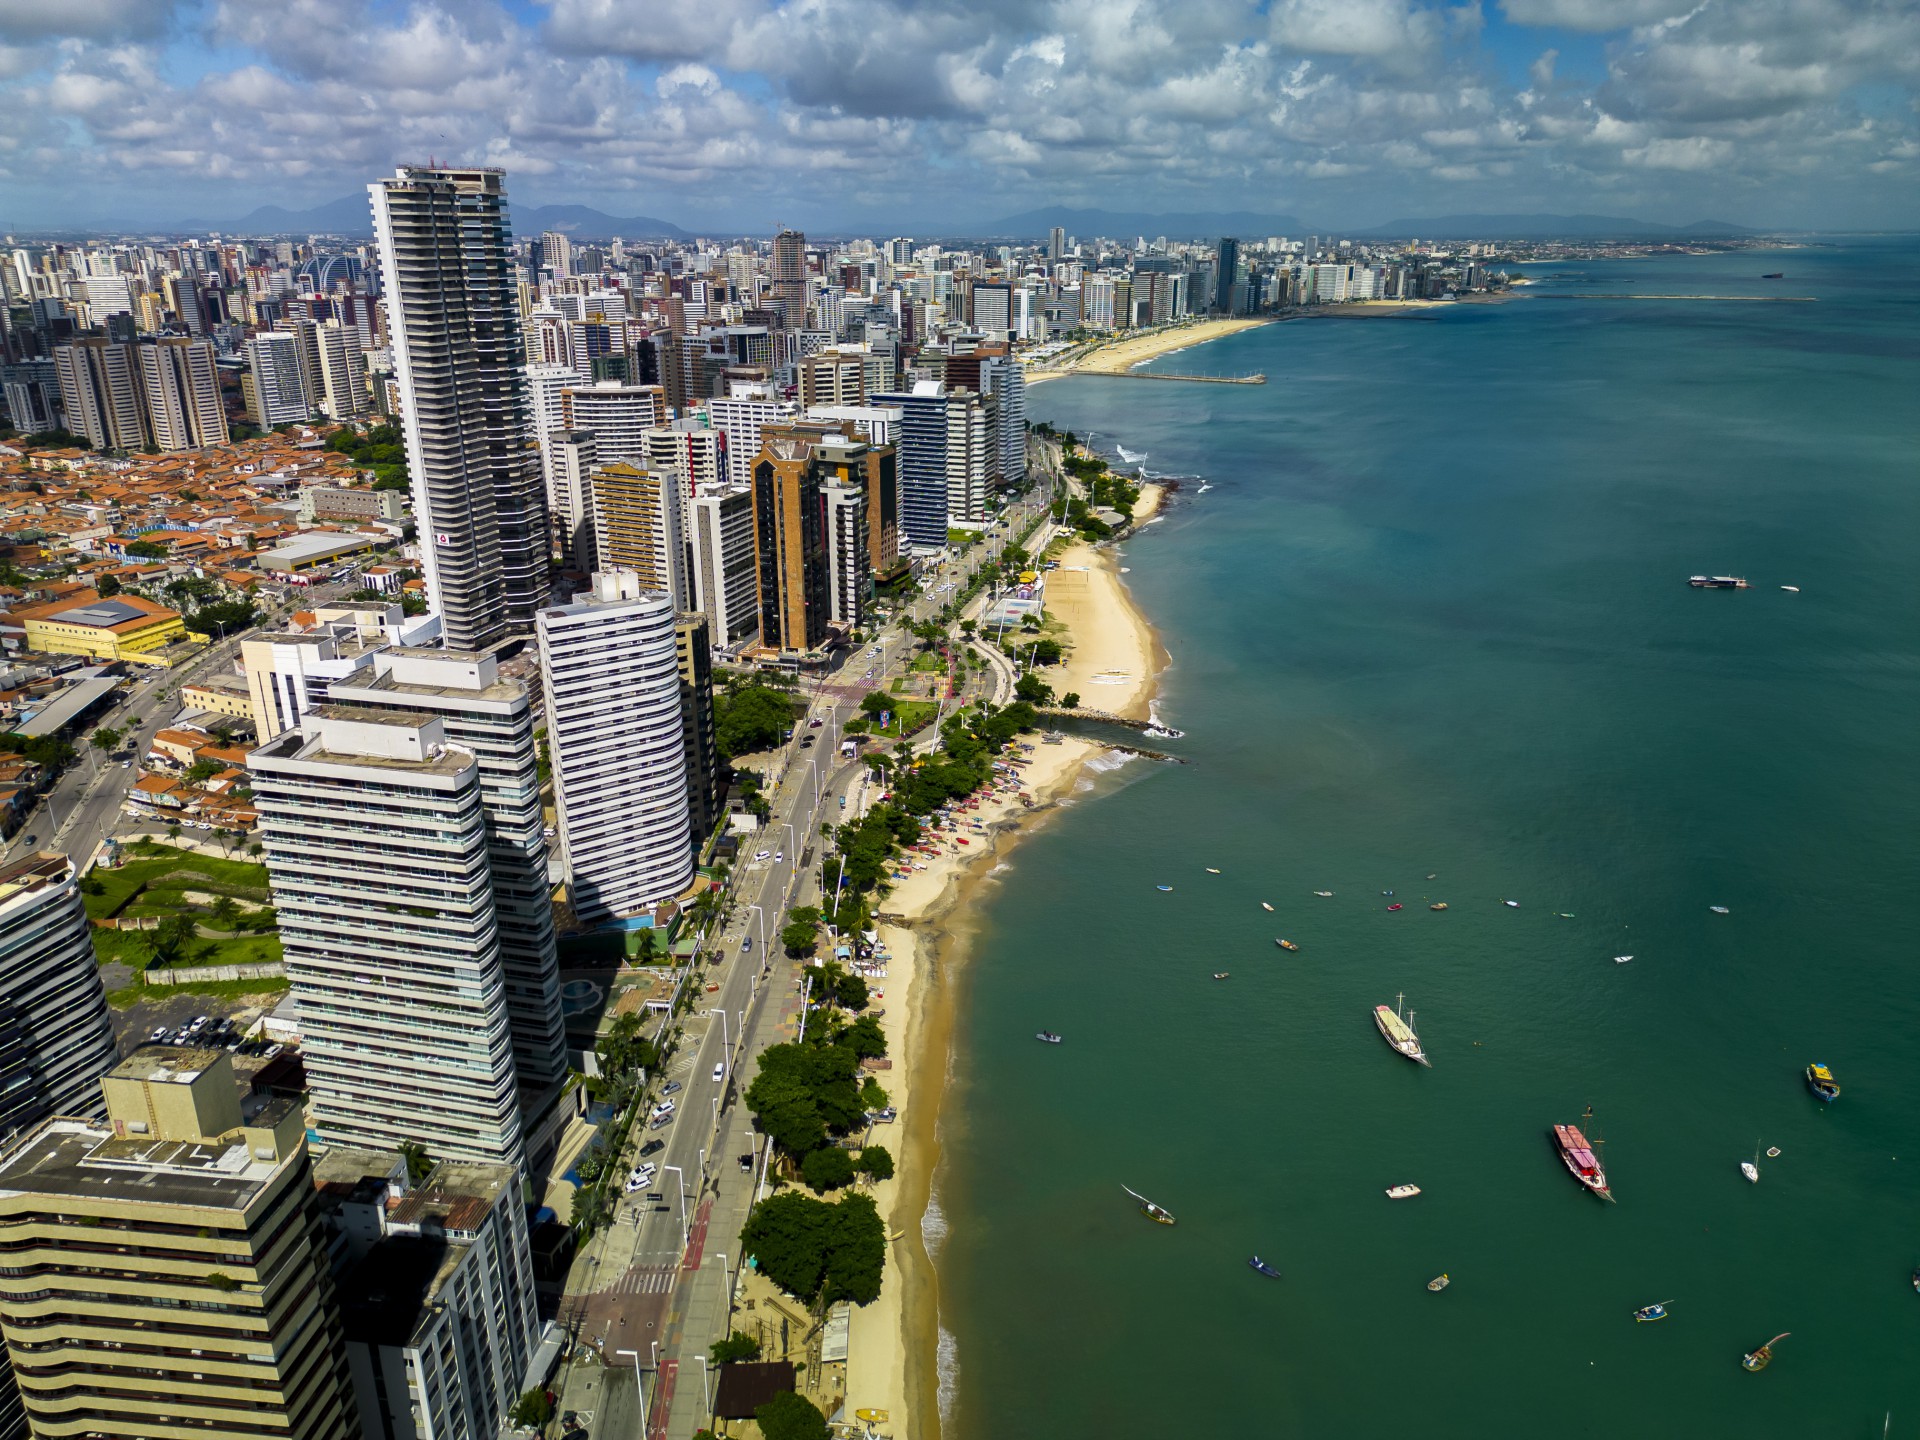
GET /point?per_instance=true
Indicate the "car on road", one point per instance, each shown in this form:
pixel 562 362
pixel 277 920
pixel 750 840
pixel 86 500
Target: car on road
pixel 763 854
pixel 652 1147
pixel 669 1087
pixel 719 1072
pixel 778 856
pixel 813 724
pixel 746 943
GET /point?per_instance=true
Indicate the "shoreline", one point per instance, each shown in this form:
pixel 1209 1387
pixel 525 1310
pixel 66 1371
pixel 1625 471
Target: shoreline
pixel 894 1361
pixel 1122 353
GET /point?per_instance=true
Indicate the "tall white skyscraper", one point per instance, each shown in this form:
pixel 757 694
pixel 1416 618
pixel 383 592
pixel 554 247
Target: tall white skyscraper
pixel 491 716
pixel 725 573
pixel 618 415
pixel 454 317
pixel 55 1039
pixel 377 849
pixel 612 679
pixel 343 372
pixel 274 357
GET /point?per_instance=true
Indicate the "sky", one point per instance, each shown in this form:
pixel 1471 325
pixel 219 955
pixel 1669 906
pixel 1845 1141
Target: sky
pixel 904 115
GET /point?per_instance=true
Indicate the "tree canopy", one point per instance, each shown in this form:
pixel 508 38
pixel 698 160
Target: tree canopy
pixel 751 718
pixel 804 1091
pixel 813 1249
pixel 791 1417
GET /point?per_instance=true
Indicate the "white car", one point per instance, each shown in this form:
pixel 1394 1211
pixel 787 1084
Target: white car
pixel 665 1107
pixel 779 855
pixel 719 1072
pixel 763 854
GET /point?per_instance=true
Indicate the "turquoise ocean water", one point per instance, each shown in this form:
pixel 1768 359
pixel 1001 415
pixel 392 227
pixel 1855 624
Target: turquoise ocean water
pixel 1430 616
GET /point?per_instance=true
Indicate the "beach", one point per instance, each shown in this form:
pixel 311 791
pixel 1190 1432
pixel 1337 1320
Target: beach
pixel 925 926
pixel 1110 357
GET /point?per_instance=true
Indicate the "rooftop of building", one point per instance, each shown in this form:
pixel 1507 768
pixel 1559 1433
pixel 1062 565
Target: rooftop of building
pixel 32 874
pixel 384 1296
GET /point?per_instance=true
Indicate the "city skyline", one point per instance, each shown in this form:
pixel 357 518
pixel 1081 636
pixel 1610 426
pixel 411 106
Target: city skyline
pixel 1762 115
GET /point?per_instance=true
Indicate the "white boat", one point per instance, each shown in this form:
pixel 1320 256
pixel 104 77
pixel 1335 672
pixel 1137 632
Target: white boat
pixel 1791 589
pixel 1621 959
pixel 1212 871
pixel 1265 906
pixel 1751 1168
pixel 1511 904
pixel 1402 1192
pixel 1719 909
pixel 1399 1033
pixel 1773 1152
pixel 1439 1283
pixel 1324 894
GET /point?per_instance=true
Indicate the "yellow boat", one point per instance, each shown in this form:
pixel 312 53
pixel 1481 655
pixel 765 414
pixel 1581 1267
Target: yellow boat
pixel 1439 905
pixel 872 1417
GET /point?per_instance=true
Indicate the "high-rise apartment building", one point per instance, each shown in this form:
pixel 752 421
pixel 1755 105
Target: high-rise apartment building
pixel 570 459
pixel 343 372
pixel 843 375
pixel 1226 274
pixel 1056 244
pixel 969 456
pixel 1003 378
pixel 491 717
pixel 181 387
pixel 723 570
pixel 790 538
pixel 742 416
pixel 993 310
pixel 378 852
pixel 556 254
pixel 789 277
pixel 280 392
pixel 100 391
pixel 849 568
pixel 55 1038
pixel 477 492
pixel 639 525
pixel 165 1276
pixel 694 450
pixel 922 463
pixel 693 654
pixel 436 1292
pixel 619 415
pixel 612 678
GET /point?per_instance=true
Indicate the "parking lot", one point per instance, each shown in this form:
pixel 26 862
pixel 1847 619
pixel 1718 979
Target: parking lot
pixel 173 1011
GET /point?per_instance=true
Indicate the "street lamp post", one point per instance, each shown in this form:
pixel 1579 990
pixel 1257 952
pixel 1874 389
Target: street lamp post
pixel 706 1383
pixel 638 1383
pixel 686 1239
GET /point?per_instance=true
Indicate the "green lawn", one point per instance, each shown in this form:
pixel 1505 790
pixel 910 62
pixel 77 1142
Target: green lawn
pixel 908 716
pixel 129 947
pixel 128 996
pixel 928 663
pixel 163 874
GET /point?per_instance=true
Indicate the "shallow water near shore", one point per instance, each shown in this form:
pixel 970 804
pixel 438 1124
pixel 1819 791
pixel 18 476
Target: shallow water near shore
pixel 1431 618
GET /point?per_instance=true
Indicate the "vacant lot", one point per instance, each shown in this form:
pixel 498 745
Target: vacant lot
pixel 226 902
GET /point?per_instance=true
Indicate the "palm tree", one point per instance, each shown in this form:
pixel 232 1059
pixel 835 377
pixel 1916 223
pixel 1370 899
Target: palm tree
pixel 224 913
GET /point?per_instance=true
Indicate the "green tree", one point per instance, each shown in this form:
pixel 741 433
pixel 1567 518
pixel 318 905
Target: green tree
pixel 168 942
pixel 105 739
pixel 532 1411
pixel 1071 700
pixel 803 1091
pixel 147 550
pixel 872 1094
pixel 875 1161
pixel 737 1346
pixel 1033 690
pixel 419 1163
pixel 850 991
pixel 800 937
pixel 224 913
pixel 107 585
pixel 754 717
pixel 828 1168
pixel 864 1038
pixel 791 1417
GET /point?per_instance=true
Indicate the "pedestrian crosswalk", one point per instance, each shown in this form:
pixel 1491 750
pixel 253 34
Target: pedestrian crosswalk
pixel 644 1280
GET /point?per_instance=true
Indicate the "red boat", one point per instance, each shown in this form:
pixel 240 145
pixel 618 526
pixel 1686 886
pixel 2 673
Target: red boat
pixel 1577 1155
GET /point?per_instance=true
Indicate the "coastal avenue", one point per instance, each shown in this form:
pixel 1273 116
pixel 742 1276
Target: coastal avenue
pixel 652 1289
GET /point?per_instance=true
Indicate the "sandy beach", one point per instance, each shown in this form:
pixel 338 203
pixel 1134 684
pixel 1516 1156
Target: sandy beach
pixel 1123 353
pixel 893 1357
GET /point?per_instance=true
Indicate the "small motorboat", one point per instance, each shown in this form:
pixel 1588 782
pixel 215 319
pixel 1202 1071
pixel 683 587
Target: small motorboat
pixel 1221 974
pixel 1657 1311
pixel 1621 959
pixel 1256 1263
pixel 1286 944
pixel 1563 914
pixel 1773 1152
pixel 1791 589
pixel 1434 876
pixel 1719 909
pixel 1402 1192
pixel 1394 906
pixel 1775 275
pixel 1761 1358
pixel 1820 1080
pixel 1439 1283
pixel 1324 894
pixel 1511 904
pixel 1212 871
pixel 1438 905
pixel 1157 887
pixel 1386 892
pixel 1265 906
pixel 1159 1214
pixel 1047 1037
pixel 1916 1277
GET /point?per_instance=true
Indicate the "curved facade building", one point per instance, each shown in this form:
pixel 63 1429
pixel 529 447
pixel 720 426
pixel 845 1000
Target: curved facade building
pixel 55 1038
pixel 612 679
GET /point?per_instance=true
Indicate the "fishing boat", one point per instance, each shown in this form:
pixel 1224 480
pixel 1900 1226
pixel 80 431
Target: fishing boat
pixel 1759 1359
pixel 1621 959
pixel 1719 909
pixel 1751 1168
pixel 1324 894
pixel 1386 892
pixel 1221 974
pixel 1716 582
pixel 1256 1263
pixel 1265 906
pixel 1820 1080
pixel 1399 1033
pixel 1439 1282
pixel 1159 1214
pixel 1791 589
pixel 1402 1192
pixel 1212 871
pixel 1394 906
pixel 1438 905
pixel 1656 1311
pixel 1579 1157
pixel 1157 887
pixel 1773 1152
pixel 1286 944
pixel 1047 1037
pixel 1511 904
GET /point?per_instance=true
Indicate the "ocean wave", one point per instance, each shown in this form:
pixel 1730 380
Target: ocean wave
pixel 1132 457
pixel 947 1371
pixel 933 1224
pixel 1110 760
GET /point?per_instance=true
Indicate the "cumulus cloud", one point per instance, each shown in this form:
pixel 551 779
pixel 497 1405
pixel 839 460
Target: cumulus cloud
pixel 968 108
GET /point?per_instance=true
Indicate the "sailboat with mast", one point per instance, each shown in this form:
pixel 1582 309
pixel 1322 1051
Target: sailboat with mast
pixel 1580 1157
pixel 1399 1032
pixel 1159 1214
pixel 1751 1168
pixel 1763 1357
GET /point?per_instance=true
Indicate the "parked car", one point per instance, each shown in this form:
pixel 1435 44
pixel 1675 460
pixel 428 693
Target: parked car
pixel 669 1087
pixel 758 854
pixel 660 1122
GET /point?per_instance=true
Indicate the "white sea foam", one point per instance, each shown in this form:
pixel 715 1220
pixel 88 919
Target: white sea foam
pixel 933 1224
pixel 947 1368
pixel 1110 760
pixel 1132 457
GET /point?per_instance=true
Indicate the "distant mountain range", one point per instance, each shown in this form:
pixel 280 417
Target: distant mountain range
pixel 1541 227
pixel 353 215
pixel 1119 224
